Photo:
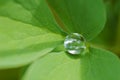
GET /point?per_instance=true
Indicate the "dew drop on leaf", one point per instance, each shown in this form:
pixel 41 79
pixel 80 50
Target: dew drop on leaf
pixel 75 43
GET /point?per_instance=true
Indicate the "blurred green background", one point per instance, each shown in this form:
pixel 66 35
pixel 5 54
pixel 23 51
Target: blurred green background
pixel 108 39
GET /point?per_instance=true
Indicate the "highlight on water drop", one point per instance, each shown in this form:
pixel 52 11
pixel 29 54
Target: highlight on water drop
pixel 74 43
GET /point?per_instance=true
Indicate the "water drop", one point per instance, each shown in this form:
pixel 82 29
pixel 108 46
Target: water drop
pixel 75 43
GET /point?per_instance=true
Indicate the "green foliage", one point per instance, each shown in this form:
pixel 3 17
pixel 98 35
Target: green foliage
pixel 110 36
pixel 22 43
pixel 96 65
pixel 82 16
pixel 32 32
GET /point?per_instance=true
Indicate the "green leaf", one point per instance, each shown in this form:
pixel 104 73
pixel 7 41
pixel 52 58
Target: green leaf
pixel 117 6
pixel 97 64
pixel 21 43
pixel 82 16
pixel 9 74
pixel 39 15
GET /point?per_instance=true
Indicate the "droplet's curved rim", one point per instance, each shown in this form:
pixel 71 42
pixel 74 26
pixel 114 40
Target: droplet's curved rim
pixel 73 52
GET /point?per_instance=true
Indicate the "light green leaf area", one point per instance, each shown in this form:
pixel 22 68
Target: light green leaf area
pixel 86 17
pixel 97 64
pixel 39 15
pixel 21 43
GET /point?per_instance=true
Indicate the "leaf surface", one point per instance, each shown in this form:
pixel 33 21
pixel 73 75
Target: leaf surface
pixel 86 17
pixel 38 15
pixel 22 43
pixel 97 64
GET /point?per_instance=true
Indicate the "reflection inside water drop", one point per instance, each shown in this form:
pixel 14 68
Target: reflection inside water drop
pixel 75 43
